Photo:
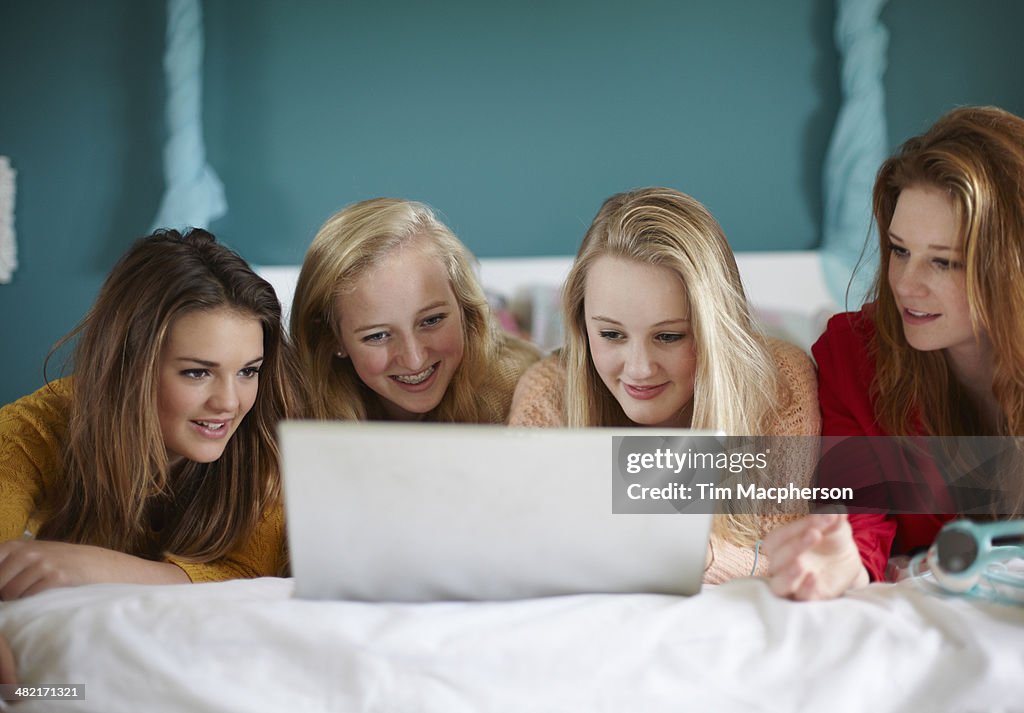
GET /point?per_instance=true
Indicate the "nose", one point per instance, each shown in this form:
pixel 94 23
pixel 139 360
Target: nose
pixel 639 364
pixel 907 280
pixel 413 354
pixel 224 397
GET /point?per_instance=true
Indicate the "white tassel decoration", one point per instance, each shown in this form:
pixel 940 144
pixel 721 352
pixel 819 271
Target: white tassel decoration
pixel 194 195
pixel 8 250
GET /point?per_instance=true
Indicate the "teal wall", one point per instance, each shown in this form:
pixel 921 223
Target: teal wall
pixel 80 118
pixel 515 120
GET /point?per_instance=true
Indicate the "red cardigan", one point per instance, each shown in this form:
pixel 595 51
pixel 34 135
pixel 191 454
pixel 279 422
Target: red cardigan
pixel 845 374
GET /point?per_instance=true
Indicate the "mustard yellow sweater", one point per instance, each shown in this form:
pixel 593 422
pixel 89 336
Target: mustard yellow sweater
pixel 32 431
pixel 539 401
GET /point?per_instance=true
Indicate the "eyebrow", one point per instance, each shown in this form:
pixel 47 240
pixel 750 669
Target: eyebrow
pixel 933 246
pixel 213 364
pixel 662 323
pixel 429 307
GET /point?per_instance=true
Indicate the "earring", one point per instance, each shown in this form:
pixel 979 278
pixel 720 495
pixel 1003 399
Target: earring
pixel 340 355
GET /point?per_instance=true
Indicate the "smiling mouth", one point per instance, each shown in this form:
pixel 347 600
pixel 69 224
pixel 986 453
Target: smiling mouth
pixel 646 392
pixel 915 313
pixel 414 379
pixel 211 425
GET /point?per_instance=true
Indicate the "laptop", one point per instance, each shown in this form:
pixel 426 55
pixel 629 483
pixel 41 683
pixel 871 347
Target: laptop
pixel 426 512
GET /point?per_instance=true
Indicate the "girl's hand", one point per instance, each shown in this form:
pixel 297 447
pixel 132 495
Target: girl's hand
pixel 814 558
pixel 31 566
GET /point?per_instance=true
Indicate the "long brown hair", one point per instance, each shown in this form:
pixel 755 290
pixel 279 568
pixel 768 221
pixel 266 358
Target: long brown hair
pixel 120 491
pixel 975 155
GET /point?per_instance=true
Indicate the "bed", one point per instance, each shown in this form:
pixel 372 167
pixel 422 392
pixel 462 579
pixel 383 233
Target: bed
pixel 251 646
pixel 248 646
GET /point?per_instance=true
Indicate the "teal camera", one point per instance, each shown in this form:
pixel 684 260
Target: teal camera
pixel 963 550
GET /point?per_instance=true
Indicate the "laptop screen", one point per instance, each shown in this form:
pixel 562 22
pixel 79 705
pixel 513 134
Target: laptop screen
pixel 424 512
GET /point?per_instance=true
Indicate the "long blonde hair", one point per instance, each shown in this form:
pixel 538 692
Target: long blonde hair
pixel 975 155
pixel 118 484
pixel 736 383
pixel 349 244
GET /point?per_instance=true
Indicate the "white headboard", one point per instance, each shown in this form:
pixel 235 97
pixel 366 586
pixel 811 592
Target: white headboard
pixel 787 289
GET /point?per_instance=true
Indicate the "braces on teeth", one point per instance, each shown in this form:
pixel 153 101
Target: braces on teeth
pixel 414 379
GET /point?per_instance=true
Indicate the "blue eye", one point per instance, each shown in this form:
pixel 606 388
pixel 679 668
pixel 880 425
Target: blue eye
pixel 375 338
pixel 433 320
pixel 669 337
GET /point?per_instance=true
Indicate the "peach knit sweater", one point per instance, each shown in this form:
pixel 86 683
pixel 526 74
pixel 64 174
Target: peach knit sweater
pixel 539 401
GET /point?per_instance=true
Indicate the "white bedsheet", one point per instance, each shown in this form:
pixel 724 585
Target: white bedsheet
pixel 247 646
